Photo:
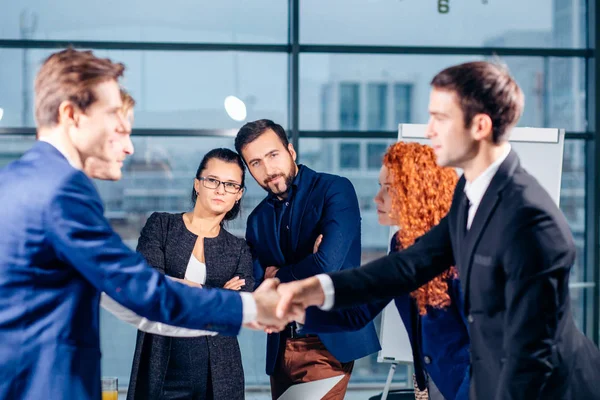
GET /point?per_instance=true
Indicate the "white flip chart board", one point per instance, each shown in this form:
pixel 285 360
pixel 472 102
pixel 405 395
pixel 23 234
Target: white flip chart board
pixel 540 151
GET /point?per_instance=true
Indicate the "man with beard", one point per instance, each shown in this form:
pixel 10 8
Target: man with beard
pixel 302 206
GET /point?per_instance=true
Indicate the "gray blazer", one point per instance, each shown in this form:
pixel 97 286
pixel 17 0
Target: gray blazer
pixel 167 245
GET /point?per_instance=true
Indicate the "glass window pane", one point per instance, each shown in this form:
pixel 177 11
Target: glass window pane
pixel 377 101
pixel 225 21
pixel 558 23
pixel 402 103
pixel 572 204
pixel 172 89
pixel 326 98
pixel 554 89
pixel 349 106
pixel 349 155
pixel 375 152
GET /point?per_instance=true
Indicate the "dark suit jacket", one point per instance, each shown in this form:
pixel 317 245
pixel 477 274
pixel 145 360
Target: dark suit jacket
pixel 439 339
pixel 167 245
pixel 514 265
pixel 322 204
pixel 57 253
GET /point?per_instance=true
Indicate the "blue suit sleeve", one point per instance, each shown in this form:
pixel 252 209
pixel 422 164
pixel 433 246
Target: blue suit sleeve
pixel 83 239
pixel 339 225
pixel 347 319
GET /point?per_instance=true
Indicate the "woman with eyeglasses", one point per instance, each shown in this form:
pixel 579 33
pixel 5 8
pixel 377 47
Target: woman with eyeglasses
pixel 195 248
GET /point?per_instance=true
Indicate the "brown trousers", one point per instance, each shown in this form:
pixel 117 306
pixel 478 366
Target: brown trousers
pixel 306 360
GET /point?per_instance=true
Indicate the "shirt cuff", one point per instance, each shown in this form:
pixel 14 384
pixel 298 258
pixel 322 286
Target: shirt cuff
pixel 328 290
pixel 249 312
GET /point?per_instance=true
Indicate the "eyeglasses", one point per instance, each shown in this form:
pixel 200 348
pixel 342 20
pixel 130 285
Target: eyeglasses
pixel 212 183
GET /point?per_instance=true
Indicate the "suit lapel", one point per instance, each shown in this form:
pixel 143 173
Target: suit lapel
pixel 484 212
pixel 300 203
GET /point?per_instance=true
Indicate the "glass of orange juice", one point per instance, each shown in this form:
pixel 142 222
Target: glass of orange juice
pixel 110 388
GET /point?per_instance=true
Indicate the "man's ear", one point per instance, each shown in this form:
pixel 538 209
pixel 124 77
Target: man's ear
pixel 292 151
pixel 69 113
pixel 481 127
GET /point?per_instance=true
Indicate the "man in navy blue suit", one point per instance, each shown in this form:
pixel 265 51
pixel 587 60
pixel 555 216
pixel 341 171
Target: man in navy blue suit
pixel 58 252
pixel 282 230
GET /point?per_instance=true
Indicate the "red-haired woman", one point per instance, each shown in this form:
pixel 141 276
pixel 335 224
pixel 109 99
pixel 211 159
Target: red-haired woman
pixel 415 194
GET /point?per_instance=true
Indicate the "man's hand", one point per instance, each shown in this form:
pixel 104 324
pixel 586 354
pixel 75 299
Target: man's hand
pixel 235 283
pixel 317 243
pixel 267 299
pixel 299 294
pixel 270 272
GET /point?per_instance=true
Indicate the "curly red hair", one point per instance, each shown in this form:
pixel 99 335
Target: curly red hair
pixel 421 193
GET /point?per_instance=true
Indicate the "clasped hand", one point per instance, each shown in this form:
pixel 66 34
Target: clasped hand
pixel 279 304
pixel 287 302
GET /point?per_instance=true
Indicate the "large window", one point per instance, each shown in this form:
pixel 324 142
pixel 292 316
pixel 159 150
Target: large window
pixel 363 67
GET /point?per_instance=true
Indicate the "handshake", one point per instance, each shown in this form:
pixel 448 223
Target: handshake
pixel 278 304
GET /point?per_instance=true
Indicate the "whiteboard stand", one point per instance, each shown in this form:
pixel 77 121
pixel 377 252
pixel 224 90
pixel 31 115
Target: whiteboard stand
pixel 395 344
pixel 388 382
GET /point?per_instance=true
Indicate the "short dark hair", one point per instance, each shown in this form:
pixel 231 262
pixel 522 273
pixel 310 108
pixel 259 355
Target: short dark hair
pixel 484 88
pixel 252 130
pixel 70 75
pixel 228 156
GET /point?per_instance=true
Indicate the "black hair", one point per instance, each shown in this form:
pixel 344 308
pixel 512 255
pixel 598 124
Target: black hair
pixel 252 130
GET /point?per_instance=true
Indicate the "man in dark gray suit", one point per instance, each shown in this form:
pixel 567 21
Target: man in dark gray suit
pixel 510 242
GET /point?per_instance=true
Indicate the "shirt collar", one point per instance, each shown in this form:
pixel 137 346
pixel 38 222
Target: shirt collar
pixel 476 189
pixel 61 151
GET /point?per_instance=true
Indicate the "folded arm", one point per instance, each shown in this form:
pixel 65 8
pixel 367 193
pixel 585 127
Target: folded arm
pixel 346 319
pixel 339 225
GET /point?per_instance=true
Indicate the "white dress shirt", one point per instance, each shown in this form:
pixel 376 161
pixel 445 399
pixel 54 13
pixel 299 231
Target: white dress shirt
pixel 474 192
pixel 476 189
pixel 195 271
